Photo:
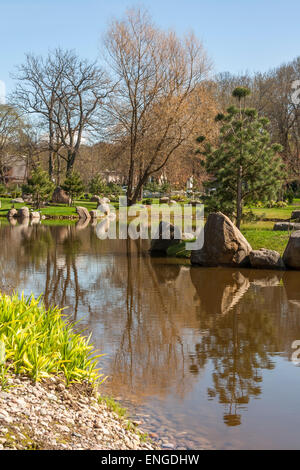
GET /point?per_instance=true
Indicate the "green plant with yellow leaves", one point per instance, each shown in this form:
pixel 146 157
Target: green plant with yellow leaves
pixel 40 343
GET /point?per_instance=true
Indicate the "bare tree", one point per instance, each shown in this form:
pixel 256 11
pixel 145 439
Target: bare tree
pixel 157 75
pixel 66 94
pixel 11 128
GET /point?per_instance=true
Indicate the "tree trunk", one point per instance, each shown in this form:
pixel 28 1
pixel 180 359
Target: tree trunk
pixel 239 208
pixel 70 162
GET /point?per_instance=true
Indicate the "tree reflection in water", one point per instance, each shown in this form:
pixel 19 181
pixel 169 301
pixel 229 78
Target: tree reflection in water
pixel 161 323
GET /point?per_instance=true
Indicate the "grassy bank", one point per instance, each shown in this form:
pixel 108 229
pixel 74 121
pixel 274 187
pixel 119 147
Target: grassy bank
pixel 39 343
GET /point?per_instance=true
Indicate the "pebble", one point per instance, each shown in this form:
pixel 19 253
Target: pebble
pixel 69 420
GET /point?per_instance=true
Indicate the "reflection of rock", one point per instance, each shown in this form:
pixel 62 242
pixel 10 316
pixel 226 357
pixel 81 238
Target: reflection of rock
pixel 291 284
pixel 165 272
pixel 219 290
pixel 291 256
pixel 264 279
pixel 266 259
pixel 223 244
pixel 167 235
pixel 13 221
pixel 102 228
pixel 83 213
pixel 82 224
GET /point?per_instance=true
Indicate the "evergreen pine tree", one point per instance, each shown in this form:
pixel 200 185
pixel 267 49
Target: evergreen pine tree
pixel 245 167
pixel 40 186
pixel 73 185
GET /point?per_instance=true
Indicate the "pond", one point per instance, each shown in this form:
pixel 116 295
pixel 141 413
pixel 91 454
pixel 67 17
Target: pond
pixel 202 356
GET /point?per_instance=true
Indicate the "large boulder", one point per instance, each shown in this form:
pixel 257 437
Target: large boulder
pixel 223 244
pixel 12 213
pixel 266 259
pixel 167 235
pixel 23 213
pixel 286 226
pixel 291 256
pixel 83 213
pixel 60 196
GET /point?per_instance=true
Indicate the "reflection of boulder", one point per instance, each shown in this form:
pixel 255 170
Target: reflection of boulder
pixel 219 290
pixel 102 228
pixel 264 278
pixel 82 224
pixel 266 259
pixel 291 256
pixel 291 284
pixel 223 244
pixel 165 272
pixel 60 232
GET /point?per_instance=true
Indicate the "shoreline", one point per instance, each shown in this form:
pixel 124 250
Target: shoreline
pixel 47 415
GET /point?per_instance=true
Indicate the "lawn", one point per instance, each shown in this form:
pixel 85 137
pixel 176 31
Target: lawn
pixel 53 210
pixel 261 235
pixel 283 213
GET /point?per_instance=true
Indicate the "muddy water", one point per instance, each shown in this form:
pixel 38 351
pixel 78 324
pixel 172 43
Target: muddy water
pixel 203 357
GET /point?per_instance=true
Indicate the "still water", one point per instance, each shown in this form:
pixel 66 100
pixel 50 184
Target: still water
pixel 201 356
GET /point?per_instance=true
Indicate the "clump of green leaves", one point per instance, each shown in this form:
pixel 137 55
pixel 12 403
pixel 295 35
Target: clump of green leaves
pixel 40 343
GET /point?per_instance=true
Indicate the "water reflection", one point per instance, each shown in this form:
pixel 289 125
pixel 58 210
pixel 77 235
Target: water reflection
pixel 164 325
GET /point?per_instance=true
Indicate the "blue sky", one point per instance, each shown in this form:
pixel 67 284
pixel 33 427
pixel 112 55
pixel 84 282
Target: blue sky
pixel 238 35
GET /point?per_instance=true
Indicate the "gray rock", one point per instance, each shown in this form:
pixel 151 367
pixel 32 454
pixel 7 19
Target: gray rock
pixel 164 200
pixel 12 213
pixel 266 259
pixel 23 213
pixel 167 235
pixel 83 213
pixel 18 200
pixel 35 215
pixel 223 244
pixel 291 256
pixel 286 226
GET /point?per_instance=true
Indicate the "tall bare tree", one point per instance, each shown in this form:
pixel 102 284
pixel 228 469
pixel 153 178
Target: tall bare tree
pixel 157 74
pixel 11 128
pixel 66 94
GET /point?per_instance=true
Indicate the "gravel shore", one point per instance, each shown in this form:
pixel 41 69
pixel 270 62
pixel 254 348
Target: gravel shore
pixel 47 415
